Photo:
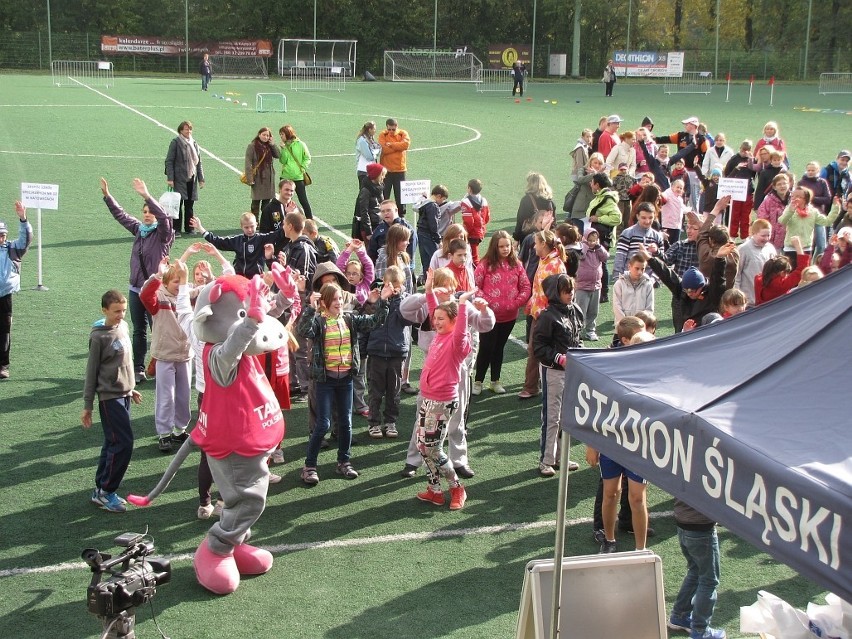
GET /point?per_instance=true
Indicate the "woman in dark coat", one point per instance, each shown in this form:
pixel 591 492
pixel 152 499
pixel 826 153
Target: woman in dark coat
pixel 184 173
pixel 366 217
pixel 260 170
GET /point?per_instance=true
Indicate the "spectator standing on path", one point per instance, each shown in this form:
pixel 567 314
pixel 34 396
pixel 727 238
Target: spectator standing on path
pixel 518 71
pixel 609 78
pixel 206 71
pixel 395 143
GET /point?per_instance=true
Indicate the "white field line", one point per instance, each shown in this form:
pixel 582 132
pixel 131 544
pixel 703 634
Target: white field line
pixel 236 171
pixel 280 549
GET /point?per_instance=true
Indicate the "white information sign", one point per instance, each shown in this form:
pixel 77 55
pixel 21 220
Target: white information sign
pixel 414 190
pixel 40 196
pixel 735 187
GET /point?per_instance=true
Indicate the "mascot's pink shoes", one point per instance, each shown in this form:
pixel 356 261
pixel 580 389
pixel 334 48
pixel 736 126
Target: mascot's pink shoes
pixel 220 574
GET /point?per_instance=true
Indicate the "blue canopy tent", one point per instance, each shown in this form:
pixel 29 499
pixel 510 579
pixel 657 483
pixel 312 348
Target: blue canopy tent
pixel 746 420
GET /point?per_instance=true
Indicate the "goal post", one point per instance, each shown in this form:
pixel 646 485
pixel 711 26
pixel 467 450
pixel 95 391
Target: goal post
pixel 337 55
pixel 427 65
pixel 689 82
pixel 74 73
pixel 305 78
pixel 830 83
pixel 235 66
pixel 494 80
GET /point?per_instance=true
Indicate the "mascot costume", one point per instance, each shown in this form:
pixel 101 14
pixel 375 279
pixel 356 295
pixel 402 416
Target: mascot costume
pixel 240 422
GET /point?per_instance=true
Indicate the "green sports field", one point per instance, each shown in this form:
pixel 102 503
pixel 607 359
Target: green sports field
pixel 352 559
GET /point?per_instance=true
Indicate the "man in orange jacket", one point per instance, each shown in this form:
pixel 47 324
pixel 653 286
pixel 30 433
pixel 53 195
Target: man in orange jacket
pixel 394 142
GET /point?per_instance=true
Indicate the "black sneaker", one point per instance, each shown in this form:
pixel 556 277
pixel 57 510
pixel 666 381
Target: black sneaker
pixel 607 548
pixel 180 438
pixel 408 472
pixel 140 375
pixel 165 444
pixel 599 536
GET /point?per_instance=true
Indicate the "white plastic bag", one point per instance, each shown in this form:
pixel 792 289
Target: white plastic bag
pixel 833 620
pixel 170 203
pixel 773 617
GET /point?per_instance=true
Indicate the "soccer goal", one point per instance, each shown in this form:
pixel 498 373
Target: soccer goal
pixel 304 78
pixel 239 66
pixel 426 65
pixel 494 80
pixel 835 83
pixel 270 103
pixel 75 73
pixel 689 82
pixel 337 55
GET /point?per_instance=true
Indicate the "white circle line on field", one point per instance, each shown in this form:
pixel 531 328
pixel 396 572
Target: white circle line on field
pixel 349 543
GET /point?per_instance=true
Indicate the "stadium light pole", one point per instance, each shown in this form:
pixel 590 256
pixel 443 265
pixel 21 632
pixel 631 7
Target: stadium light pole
pixel 718 19
pixel 807 40
pixel 49 38
pixel 629 20
pixel 186 31
pixel 315 20
pixel 532 53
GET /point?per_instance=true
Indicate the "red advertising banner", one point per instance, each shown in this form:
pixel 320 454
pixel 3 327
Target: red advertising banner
pixel 144 45
pixel 503 56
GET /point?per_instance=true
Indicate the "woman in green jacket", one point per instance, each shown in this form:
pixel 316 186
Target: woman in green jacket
pixel 295 160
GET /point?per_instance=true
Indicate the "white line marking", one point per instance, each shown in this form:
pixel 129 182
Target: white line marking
pixel 347 543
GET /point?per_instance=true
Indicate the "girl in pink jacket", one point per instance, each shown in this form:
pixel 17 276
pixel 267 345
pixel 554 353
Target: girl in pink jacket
pixel 773 206
pixel 502 282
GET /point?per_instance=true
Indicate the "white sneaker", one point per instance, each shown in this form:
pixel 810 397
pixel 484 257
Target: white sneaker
pixel 375 431
pixel 217 509
pixel 497 387
pixel 204 512
pixel 546 470
pixel 390 431
pixel 274 479
pixel 593 337
pixel 477 388
pixel 278 456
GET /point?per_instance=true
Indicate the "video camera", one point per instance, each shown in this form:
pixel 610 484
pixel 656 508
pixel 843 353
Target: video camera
pixel 132 580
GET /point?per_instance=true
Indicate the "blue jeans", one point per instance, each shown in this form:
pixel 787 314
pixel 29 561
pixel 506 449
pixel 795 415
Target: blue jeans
pixel 118 443
pixel 337 392
pixel 698 592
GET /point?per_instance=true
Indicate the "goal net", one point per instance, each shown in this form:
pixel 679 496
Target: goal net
pixel 835 83
pixel 338 55
pixel 304 78
pixel 426 65
pixel 75 73
pixel 689 82
pixel 234 66
pixel 494 80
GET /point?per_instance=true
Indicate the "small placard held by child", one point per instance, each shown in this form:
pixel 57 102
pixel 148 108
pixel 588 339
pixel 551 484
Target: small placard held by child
pixel 412 191
pixel 735 187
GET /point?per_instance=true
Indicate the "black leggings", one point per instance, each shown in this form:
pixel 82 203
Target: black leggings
pixel 491 346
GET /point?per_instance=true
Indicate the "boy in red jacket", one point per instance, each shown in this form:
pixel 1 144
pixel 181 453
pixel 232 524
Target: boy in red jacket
pixel 475 217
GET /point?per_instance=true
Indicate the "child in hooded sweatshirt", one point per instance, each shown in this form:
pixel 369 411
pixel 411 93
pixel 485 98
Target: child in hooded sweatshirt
pixel 589 272
pixel 475 216
pixel 556 330
pixel 170 347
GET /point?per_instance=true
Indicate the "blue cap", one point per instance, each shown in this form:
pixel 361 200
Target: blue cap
pixel 693 279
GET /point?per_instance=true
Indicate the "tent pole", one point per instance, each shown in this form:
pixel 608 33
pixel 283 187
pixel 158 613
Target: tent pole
pixel 564 459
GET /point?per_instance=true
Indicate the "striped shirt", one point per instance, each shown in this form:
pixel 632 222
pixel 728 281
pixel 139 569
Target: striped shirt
pixel 338 345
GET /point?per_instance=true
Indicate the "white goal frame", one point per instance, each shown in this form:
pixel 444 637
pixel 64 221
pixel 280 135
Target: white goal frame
pixel 340 55
pixel 428 65
pixel 689 82
pixel 494 80
pixel 270 103
pixel 305 78
pixel 75 73
pixel 831 83
pixel 239 66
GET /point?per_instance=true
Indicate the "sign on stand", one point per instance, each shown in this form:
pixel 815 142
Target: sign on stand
pixel 412 191
pixel 40 196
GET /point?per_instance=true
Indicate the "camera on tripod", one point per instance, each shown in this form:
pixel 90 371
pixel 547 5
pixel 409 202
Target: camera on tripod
pixel 120 584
